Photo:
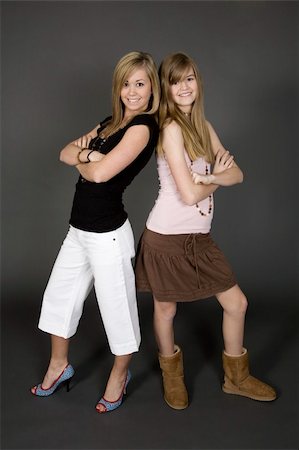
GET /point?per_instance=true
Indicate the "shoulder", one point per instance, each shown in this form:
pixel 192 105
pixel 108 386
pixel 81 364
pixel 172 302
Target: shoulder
pixel 144 119
pixel 172 126
pixel 138 132
pixel 144 125
pixel 172 130
pixel 210 128
pixel 172 140
pixel 215 141
pixel 103 123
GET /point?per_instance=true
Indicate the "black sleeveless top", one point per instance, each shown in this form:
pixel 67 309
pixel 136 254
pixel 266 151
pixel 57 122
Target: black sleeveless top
pixel 98 207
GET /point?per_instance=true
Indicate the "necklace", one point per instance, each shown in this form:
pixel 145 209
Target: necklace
pixel 202 213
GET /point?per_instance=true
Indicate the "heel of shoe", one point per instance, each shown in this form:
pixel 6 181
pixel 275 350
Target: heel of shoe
pixel 68 385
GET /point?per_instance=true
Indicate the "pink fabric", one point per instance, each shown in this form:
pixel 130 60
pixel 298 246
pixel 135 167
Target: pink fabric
pixel 170 215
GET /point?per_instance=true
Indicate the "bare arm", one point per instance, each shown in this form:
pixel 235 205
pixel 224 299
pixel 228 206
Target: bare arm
pixel 225 172
pixel 133 142
pixel 173 146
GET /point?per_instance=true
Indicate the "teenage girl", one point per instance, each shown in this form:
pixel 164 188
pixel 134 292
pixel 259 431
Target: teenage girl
pixel 99 245
pixel 177 260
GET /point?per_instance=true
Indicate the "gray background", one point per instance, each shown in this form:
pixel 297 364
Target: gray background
pixel 57 63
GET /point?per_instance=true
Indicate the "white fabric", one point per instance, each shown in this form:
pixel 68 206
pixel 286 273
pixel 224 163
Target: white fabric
pixel 103 260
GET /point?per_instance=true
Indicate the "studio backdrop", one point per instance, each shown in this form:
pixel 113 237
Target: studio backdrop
pixel 57 64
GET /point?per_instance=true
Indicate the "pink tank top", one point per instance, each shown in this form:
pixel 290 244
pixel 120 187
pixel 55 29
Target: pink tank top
pixel 170 215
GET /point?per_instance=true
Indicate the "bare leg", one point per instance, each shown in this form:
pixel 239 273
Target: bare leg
pixel 234 305
pixel 58 361
pixel 116 380
pixel 164 313
pixel 170 356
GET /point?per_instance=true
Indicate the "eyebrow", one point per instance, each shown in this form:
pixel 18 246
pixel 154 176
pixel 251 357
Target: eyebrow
pixel 136 81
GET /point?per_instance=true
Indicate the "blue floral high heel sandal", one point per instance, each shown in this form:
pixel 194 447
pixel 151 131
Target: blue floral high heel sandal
pixel 110 406
pixel 64 377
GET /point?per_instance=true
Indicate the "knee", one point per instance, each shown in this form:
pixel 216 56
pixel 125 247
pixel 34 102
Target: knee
pixel 240 304
pixel 237 305
pixel 165 310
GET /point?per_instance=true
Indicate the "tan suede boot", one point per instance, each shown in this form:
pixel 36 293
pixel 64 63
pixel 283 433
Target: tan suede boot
pixel 175 393
pixel 237 379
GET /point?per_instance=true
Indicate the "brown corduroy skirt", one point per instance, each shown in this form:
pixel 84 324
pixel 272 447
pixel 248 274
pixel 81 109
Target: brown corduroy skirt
pixel 181 268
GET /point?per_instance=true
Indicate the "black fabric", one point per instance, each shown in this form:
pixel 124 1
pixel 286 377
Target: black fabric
pixel 98 207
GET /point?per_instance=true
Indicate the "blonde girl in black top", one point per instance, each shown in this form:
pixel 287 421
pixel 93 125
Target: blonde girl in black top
pixel 99 245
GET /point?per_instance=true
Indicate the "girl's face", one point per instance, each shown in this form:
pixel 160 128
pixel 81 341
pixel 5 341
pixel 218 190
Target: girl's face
pixel 185 91
pixel 136 92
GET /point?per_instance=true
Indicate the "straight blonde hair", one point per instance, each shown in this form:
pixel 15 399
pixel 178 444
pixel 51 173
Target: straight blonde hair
pixel 195 131
pixel 126 65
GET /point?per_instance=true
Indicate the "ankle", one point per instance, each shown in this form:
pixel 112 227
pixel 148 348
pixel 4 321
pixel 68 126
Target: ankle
pixel 118 373
pixel 58 364
pixel 235 352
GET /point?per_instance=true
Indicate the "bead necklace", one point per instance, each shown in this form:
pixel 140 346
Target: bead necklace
pixel 98 144
pixel 202 213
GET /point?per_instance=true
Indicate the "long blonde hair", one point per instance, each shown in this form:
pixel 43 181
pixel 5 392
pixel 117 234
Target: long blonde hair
pixel 124 67
pixel 194 130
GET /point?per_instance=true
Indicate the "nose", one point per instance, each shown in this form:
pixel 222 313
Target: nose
pixel 131 89
pixel 184 84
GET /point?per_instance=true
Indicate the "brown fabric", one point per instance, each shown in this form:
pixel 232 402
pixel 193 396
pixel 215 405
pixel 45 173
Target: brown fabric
pixel 238 381
pixel 175 392
pixel 184 267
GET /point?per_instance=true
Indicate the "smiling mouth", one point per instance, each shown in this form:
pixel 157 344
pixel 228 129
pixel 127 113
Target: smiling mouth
pixel 133 100
pixel 185 94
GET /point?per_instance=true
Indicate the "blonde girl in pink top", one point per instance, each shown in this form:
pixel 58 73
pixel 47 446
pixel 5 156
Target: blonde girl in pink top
pixel 177 260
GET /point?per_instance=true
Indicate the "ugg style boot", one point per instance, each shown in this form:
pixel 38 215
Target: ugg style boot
pixel 175 392
pixel 237 379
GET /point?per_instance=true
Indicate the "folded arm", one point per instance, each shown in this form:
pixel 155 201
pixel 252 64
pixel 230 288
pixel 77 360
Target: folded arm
pixel 173 146
pixel 225 171
pixel 124 153
pixel 73 153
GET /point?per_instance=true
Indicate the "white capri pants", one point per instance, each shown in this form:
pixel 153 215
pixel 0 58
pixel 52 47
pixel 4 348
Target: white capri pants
pixel 103 260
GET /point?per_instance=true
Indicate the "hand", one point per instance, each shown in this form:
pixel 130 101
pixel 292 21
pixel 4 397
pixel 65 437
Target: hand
pixel 86 155
pixel 83 141
pixel 224 160
pixel 202 179
pixel 96 156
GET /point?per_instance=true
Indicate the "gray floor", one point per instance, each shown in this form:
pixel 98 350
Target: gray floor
pixel 213 420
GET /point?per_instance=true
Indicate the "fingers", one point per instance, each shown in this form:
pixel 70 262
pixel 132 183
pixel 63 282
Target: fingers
pixel 202 179
pixel 83 141
pixel 220 152
pixel 229 162
pixel 196 177
pixel 224 158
